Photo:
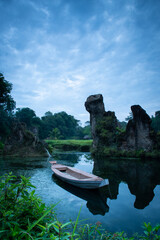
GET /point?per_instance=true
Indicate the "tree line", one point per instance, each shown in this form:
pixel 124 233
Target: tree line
pixel 55 126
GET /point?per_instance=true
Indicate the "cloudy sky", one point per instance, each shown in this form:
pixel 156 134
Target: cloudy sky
pixel 58 52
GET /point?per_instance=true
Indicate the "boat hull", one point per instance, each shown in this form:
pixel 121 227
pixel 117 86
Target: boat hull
pixel 79 183
pixel 78 178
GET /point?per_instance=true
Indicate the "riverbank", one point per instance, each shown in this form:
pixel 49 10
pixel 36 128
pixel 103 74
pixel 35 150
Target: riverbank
pixel 111 152
pixel 115 153
pixel 69 145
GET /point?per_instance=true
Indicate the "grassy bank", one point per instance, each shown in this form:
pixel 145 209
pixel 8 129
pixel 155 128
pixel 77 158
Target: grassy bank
pixel 69 145
pixel 86 146
pixel 24 216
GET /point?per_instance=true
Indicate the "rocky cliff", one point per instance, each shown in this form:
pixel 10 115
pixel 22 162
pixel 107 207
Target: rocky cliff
pixel 105 132
pixel 95 106
pixel 22 142
pixel 138 130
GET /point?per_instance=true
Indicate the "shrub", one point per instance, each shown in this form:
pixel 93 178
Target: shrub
pixel 1 146
pixel 23 216
pixel 20 209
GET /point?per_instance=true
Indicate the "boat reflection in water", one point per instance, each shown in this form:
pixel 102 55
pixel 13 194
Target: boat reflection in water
pixel 96 199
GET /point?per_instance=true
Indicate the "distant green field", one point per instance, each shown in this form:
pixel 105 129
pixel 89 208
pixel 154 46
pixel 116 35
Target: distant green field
pixel 69 145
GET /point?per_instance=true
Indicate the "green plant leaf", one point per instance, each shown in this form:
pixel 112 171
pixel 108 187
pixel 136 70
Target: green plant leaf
pixel 65 224
pixel 36 222
pixel 76 224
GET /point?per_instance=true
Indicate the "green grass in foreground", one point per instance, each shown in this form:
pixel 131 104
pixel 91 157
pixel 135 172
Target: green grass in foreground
pixel 24 216
pixel 69 145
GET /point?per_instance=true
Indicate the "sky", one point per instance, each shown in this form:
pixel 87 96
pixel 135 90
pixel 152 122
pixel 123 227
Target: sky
pixel 56 53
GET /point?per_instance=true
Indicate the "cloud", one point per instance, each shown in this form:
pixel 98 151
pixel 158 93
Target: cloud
pixel 57 53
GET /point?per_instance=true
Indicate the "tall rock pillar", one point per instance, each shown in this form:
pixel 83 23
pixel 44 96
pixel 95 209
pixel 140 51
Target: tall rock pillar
pixel 95 106
pixel 138 130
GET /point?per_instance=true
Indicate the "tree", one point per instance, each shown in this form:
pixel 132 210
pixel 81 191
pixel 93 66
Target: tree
pixel 129 117
pixel 7 105
pixel 47 114
pixel 156 121
pixel 26 115
pixel 66 124
pixel 107 129
pixel 55 134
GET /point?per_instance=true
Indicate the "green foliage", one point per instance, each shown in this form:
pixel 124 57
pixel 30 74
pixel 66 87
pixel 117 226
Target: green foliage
pixel 66 125
pixel 156 122
pixel 24 216
pixel 1 145
pixel 69 145
pixel 129 117
pixel 87 131
pixel 7 105
pixel 106 130
pixel 90 232
pixel 54 126
pixel 25 115
pixel 151 232
pixel 122 125
pixel 158 140
pixel 21 209
pixel 55 134
pixel 120 136
pixel 83 132
pixel 5 124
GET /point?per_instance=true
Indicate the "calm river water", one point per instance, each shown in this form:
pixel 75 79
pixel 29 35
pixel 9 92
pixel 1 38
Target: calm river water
pixel 131 198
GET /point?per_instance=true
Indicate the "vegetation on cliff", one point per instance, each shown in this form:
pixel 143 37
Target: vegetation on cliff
pixel 140 138
pixel 24 216
pixel 112 140
pixel 109 135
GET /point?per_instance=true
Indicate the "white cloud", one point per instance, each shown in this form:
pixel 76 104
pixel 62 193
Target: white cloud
pixel 57 69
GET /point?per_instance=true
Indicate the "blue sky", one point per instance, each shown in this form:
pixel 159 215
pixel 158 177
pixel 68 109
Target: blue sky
pixel 58 52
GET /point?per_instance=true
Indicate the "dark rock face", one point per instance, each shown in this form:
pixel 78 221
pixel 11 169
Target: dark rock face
pixel 138 130
pixel 95 106
pixel 23 143
pixel 104 124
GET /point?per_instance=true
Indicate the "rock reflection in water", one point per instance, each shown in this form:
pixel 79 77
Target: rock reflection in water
pixel 96 199
pixel 141 177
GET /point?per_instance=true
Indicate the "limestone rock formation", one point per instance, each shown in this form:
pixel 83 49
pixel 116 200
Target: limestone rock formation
pixel 95 106
pixel 104 128
pixel 103 124
pixel 138 130
pixel 22 142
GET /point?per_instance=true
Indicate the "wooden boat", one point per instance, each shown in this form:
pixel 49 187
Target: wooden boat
pixel 77 177
pixel 96 200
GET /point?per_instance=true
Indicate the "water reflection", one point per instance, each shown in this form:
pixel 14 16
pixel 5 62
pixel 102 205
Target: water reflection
pixel 69 157
pixel 22 166
pixel 131 183
pixel 141 177
pixel 96 199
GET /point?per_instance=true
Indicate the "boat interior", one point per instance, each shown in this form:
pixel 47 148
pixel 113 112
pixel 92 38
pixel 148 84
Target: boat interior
pixel 72 173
